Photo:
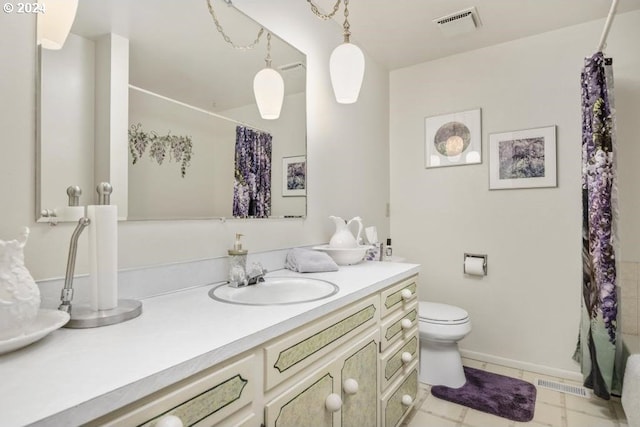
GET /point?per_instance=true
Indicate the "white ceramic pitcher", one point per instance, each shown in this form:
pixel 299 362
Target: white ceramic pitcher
pixel 343 238
pixel 19 294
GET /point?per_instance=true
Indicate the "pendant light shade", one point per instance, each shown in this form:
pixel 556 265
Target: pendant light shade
pixel 54 25
pixel 268 88
pixel 346 67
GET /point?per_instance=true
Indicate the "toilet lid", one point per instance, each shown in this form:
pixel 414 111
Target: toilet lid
pixel 434 312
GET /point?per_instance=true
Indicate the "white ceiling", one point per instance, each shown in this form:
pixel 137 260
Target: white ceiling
pixel 177 52
pixel 400 33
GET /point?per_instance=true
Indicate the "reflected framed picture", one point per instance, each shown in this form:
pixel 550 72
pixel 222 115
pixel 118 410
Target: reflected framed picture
pixel 453 139
pixel 523 159
pixel 294 176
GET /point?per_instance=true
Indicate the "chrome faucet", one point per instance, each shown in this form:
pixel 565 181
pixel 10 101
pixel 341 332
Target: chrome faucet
pixel 256 274
pixel 239 278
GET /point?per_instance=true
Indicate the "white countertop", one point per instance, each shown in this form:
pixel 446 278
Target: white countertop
pixel 75 375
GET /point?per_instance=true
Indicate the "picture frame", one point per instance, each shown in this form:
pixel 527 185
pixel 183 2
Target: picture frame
pixel 453 139
pixel 523 159
pixel 294 176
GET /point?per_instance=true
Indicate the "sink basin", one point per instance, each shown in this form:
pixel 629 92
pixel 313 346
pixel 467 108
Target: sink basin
pixel 276 291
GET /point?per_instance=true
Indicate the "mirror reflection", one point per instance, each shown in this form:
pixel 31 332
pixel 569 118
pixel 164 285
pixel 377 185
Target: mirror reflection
pixel 149 96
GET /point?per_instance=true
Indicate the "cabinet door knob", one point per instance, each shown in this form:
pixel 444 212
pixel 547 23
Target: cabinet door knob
pixel 169 421
pixel 350 386
pixel 406 357
pixel 333 403
pixel 406 323
pixel 407 400
pixel 406 294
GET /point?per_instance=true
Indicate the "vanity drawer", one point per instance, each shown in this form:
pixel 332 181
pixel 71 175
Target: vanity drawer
pixel 291 354
pixel 400 399
pixel 398 359
pixel 206 399
pixel 394 329
pixel 393 299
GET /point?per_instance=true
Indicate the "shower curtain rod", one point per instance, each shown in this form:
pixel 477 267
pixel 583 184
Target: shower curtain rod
pixel 201 110
pixel 607 25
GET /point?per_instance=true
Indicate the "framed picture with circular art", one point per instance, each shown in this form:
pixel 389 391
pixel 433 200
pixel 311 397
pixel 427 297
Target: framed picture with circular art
pixel 453 139
pixel 294 176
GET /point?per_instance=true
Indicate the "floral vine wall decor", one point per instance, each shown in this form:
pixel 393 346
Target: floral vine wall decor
pixel 180 148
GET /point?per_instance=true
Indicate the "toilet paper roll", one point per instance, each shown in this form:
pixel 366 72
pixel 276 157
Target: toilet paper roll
pixel 103 256
pixel 474 266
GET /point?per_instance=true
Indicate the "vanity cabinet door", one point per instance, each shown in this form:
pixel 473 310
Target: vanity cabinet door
pixel 287 356
pixel 342 393
pixel 305 404
pixel 359 377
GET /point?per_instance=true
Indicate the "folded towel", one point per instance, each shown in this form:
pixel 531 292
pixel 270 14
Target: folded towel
pixel 309 261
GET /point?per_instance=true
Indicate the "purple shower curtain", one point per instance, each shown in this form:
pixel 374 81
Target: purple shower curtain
pixel 252 184
pixel 598 332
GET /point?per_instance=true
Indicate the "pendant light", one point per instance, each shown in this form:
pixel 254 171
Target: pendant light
pixel 346 66
pixel 54 24
pixel 268 88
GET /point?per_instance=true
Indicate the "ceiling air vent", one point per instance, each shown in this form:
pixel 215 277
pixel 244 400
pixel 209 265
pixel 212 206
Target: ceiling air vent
pixel 464 21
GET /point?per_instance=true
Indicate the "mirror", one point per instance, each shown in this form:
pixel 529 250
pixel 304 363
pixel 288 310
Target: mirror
pixel 163 69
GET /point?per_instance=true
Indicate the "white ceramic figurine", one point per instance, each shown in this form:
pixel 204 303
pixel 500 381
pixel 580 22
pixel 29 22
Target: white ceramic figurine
pixel 19 294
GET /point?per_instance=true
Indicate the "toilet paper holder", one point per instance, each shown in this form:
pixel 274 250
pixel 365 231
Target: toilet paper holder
pixel 482 256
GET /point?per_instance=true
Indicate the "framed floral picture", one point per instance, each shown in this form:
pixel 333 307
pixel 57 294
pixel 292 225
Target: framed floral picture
pixel 523 159
pixel 453 139
pixel 294 176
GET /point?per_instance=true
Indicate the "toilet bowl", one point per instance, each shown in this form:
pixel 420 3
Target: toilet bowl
pixel 441 326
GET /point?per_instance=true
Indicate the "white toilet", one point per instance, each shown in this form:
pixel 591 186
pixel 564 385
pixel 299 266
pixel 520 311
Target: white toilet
pixel 441 326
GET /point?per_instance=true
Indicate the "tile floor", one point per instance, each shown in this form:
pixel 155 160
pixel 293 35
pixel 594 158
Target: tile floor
pixel 553 408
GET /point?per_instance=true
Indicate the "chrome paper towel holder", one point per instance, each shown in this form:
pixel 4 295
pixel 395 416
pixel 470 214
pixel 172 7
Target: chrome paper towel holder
pixel 85 317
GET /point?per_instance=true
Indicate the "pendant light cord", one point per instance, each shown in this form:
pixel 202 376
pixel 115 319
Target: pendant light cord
pixel 321 15
pixel 267 60
pixel 226 37
pixel 346 26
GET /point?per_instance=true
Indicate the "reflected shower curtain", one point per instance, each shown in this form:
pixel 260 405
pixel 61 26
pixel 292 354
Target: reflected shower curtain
pixel 252 184
pixel 596 349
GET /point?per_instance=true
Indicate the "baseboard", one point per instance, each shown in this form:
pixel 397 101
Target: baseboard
pixel 517 364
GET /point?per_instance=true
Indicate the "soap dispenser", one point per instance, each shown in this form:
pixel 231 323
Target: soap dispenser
pixel 237 263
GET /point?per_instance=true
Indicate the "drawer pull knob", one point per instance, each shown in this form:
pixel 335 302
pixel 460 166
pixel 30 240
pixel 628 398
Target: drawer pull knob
pixel 350 386
pixel 406 294
pixel 406 357
pixel 333 403
pixel 407 400
pixel 169 421
pixel 406 323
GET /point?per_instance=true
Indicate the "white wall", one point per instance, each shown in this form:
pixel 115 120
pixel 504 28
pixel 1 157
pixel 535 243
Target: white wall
pixel 528 306
pixel 347 157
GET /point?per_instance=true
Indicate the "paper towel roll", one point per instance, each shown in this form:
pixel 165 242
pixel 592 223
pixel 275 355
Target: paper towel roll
pixel 474 266
pixel 103 256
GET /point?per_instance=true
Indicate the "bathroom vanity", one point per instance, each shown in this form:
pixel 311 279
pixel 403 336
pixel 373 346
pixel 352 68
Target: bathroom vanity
pixel 347 360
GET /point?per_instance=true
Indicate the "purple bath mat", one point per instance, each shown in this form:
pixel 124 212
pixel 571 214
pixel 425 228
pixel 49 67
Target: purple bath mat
pixel 492 393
